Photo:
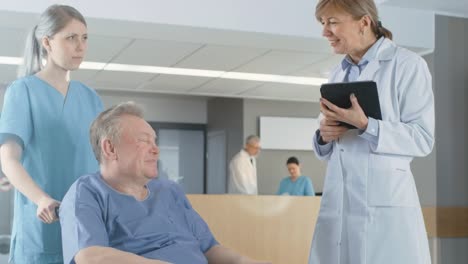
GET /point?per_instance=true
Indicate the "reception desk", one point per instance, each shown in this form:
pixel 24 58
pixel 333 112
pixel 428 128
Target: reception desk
pixel 280 228
pixel 274 228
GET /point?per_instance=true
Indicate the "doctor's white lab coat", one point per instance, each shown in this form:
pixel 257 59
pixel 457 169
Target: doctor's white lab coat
pixel 243 174
pixel 370 211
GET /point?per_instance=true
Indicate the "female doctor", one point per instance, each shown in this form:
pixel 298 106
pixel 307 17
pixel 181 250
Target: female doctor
pixel 370 211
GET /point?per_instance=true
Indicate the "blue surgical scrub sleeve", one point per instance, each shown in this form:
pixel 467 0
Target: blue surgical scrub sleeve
pixel 16 115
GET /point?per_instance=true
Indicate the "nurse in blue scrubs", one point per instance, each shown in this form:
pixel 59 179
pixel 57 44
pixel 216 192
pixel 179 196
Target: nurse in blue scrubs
pixel 44 131
pixel 296 184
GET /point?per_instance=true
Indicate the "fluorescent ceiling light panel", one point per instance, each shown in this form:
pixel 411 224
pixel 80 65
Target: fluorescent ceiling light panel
pixel 304 80
pixel 274 78
pixel 161 70
pixel 88 65
pixel 11 60
pixel 253 76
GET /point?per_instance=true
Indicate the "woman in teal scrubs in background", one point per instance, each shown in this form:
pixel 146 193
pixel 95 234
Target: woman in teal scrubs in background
pixel 44 132
pixel 296 184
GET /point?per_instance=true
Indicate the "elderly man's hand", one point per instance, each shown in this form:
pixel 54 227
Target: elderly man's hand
pixel 5 184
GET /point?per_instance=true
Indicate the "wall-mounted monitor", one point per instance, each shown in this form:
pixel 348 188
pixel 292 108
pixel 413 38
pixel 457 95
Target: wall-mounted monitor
pixel 287 133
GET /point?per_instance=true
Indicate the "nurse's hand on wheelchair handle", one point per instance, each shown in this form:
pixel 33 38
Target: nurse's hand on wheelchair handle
pixel 46 210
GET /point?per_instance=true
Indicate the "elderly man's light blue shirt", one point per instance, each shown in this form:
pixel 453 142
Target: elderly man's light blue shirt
pixel 164 226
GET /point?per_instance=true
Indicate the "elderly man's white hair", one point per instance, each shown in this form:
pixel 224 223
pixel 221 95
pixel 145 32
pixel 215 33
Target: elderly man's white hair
pixel 252 139
pixel 107 125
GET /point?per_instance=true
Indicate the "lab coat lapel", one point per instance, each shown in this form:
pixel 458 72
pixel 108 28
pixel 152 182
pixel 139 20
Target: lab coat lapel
pixel 369 72
pixel 339 77
pixel 385 52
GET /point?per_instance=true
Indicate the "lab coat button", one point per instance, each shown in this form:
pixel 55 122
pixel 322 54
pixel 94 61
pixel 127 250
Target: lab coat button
pixel 342 150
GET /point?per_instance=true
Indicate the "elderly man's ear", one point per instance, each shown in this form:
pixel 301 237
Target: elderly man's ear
pixel 108 150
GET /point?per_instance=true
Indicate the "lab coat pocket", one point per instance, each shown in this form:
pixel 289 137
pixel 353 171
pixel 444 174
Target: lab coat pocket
pixel 333 186
pixel 390 182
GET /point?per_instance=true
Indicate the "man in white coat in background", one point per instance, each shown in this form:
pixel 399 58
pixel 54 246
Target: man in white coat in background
pixel 243 168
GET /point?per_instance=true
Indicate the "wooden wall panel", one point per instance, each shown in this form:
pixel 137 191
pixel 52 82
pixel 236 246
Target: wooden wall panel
pixel 274 228
pixel 280 228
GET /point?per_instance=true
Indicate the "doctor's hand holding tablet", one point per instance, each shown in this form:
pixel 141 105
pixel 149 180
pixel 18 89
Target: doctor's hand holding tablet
pixel 347 106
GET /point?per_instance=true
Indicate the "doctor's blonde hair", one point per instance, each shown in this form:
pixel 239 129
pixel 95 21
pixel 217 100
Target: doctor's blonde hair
pixel 357 9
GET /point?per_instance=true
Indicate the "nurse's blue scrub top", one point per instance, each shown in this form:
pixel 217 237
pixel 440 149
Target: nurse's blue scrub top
pixel 301 187
pixel 53 130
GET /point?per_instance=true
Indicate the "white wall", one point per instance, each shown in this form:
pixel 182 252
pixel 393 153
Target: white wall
pixel 163 108
pixel 451 95
pixel 271 164
pixel 156 107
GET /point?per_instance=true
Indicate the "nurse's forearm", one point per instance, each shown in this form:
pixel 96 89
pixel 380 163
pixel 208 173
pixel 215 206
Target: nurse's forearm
pixel 108 255
pixel 12 168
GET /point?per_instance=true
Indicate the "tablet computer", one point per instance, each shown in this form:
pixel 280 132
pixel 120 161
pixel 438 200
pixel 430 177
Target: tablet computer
pixel 365 91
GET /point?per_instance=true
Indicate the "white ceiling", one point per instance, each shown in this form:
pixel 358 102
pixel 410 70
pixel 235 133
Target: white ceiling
pixel 140 43
pixel 457 8
pixel 262 53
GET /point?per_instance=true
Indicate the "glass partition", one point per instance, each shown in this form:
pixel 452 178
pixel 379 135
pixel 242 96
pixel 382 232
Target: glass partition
pixel 182 155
